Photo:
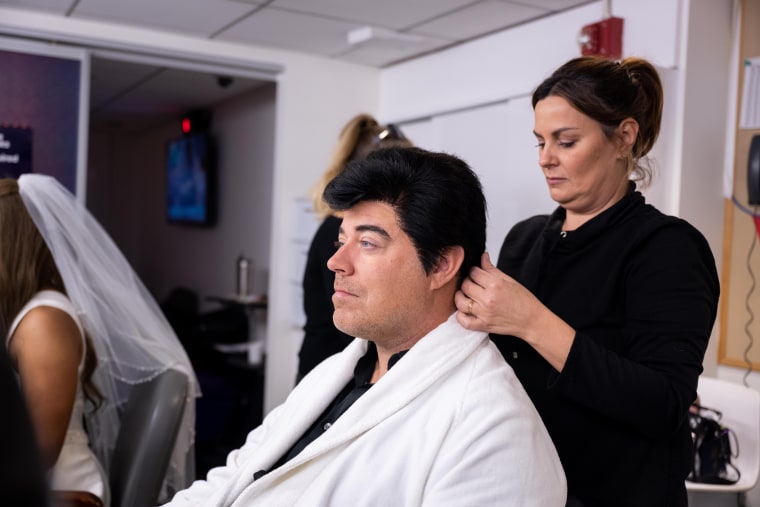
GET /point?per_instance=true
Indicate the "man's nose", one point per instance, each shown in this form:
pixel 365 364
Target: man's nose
pixel 339 261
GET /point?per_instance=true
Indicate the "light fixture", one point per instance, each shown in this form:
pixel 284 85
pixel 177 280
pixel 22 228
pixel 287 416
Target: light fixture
pixel 372 34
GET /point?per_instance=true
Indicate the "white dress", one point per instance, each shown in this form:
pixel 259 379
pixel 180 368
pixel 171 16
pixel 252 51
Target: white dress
pixel 77 468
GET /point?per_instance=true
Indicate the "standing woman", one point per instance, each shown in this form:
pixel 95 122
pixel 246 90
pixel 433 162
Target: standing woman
pixel 603 308
pixel 358 138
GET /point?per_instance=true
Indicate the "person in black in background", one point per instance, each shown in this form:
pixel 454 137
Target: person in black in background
pixel 603 308
pixel 22 476
pixel 358 138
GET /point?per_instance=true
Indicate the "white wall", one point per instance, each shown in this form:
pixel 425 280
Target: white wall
pixel 702 143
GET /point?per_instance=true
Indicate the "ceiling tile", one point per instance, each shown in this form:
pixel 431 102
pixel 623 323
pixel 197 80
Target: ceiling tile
pixel 202 17
pixel 168 93
pixel 290 30
pixel 110 78
pixel 387 14
pixel 552 5
pixel 50 6
pixel 380 53
pixel 480 18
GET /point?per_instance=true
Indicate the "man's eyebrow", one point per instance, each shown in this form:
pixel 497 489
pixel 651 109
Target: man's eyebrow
pixel 373 228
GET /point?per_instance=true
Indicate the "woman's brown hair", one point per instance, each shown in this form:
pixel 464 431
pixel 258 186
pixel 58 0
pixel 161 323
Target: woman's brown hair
pixel 26 267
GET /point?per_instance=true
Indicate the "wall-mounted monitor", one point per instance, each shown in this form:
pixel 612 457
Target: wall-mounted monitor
pixel 191 179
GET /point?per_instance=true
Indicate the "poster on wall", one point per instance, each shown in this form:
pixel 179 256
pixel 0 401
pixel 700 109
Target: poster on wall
pixel 44 102
pixel 15 151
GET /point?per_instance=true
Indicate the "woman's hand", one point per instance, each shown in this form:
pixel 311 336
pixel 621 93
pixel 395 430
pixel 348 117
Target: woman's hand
pixel 492 301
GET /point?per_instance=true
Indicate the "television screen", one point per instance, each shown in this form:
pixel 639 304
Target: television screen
pixel 190 179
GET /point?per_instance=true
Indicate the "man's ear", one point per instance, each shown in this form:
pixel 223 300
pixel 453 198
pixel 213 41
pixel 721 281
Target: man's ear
pixel 448 265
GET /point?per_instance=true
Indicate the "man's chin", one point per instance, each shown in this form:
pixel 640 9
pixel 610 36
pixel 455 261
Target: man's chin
pixel 349 330
pixel 344 325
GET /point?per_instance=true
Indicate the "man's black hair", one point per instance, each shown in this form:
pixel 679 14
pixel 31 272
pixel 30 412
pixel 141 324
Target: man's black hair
pixel 437 197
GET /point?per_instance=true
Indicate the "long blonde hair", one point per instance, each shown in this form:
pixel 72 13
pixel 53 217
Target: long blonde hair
pixel 358 138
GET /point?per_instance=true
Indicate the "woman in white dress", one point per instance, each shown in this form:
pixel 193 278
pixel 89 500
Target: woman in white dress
pixel 49 350
pixel 82 330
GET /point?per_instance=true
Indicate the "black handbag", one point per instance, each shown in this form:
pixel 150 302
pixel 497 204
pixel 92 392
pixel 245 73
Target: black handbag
pixel 714 447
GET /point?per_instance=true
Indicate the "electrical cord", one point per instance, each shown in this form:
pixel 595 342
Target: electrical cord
pixel 751 315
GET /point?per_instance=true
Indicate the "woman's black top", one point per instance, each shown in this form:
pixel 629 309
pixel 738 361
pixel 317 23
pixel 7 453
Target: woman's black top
pixel 641 290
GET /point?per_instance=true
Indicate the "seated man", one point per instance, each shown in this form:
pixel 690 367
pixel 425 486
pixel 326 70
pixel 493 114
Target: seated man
pixel 417 410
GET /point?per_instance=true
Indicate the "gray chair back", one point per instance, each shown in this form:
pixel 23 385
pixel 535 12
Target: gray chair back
pixel 146 439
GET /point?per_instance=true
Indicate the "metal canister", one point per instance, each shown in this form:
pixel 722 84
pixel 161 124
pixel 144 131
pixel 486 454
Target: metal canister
pixel 244 268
